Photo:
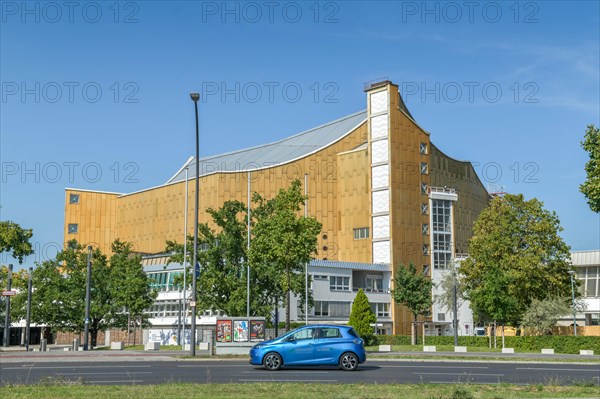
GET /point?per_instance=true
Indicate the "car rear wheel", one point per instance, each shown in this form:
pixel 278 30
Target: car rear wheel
pixel 349 361
pixel 272 361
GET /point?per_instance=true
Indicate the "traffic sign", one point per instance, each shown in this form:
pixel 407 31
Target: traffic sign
pixel 9 293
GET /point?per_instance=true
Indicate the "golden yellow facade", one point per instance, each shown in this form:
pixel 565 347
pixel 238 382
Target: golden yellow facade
pixel 340 191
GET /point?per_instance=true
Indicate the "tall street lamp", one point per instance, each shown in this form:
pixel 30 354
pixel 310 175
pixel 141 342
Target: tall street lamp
pixel 195 97
pixel 572 274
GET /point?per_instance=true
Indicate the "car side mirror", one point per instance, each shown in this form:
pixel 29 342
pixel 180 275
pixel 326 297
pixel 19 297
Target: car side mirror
pixel 290 338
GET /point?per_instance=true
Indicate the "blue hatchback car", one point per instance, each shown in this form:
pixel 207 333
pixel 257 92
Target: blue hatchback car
pixel 311 345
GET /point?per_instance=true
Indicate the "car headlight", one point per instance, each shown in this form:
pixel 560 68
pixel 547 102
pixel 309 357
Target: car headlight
pixel 258 346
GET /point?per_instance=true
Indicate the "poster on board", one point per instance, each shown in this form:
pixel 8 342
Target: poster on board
pixel 257 330
pixel 223 330
pixel 240 330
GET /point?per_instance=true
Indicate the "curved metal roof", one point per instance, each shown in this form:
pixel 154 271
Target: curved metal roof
pixel 273 154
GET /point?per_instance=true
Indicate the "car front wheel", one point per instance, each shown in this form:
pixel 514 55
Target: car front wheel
pixel 349 361
pixel 272 361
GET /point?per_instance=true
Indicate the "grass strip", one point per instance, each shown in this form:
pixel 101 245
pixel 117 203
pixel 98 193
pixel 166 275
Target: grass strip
pixel 65 390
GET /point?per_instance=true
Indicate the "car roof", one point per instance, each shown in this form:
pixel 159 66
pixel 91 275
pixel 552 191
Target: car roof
pixel 326 325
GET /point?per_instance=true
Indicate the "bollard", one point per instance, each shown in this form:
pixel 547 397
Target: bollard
pixel 43 345
pixel 76 344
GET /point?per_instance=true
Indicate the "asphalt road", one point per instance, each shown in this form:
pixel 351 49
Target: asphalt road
pixel 228 371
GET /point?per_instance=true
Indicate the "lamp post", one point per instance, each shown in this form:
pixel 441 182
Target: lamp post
pixel 6 341
pixel 87 299
pixel 195 97
pixel 185 219
pixel 28 319
pixel 572 274
pixel 454 305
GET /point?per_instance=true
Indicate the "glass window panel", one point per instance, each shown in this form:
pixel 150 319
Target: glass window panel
pixel 591 287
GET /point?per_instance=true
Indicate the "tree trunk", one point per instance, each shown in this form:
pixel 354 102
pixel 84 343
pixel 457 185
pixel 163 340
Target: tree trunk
pixel 415 332
pixel 94 337
pixel 287 300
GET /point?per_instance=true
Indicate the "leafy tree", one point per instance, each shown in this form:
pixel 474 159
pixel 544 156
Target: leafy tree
pixel 58 298
pixel 446 298
pixel 543 314
pixel 412 290
pixel 515 256
pixel 130 286
pixel 19 282
pixel 282 245
pixel 591 187
pixel 222 281
pixel 361 317
pixel 15 239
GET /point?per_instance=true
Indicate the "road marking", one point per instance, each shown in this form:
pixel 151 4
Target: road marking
pixel 463 374
pixel 213 366
pixel 437 367
pixel 104 373
pixel 286 372
pixel 70 367
pixel 553 369
pixel 279 380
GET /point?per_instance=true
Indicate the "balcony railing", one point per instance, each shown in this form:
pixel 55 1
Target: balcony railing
pixel 365 289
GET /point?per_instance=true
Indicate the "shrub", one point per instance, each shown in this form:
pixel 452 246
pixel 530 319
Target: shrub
pixel 362 317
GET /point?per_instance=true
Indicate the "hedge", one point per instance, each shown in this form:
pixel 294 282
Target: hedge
pixel 560 343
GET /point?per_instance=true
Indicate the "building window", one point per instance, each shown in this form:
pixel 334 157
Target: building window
pixel 424 188
pixel 424 208
pixel 73 228
pixel 589 278
pixel 424 168
pixel 426 270
pixel 425 249
pixel 425 229
pixel 381 309
pixel 374 283
pixel 361 233
pixel 321 309
pixel 441 210
pixel 169 308
pixel 423 148
pixel 73 198
pixel 163 281
pixel 441 227
pixel 320 277
pixel 339 283
pixel 441 317
pixel 330 309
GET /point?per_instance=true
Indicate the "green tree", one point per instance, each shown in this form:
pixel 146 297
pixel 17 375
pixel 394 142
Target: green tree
pixel 222 282
pixel 515 255
pixel 362 316
pixel 58 298
pixel 591 187
pixel 413 290
pixel 543 314
pixel 282 245
pixel 129 286
pixel 15 239
pixel 446 285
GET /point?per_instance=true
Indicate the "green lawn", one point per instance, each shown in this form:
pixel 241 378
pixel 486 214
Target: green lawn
pixel 295 390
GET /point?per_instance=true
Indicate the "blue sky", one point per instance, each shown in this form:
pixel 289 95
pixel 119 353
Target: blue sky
pixel 96 96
